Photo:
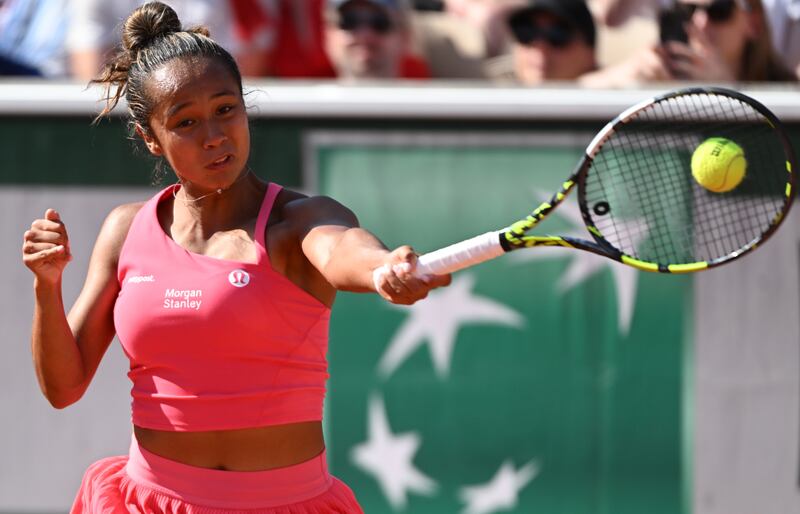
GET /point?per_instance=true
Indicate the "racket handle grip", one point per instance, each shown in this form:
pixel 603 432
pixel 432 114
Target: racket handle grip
pixel 461 255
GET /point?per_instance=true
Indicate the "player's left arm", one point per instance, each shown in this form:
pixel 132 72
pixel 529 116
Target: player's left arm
pixel 346 255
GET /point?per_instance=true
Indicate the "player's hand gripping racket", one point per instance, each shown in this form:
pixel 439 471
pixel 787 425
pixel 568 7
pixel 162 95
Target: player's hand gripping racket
pixel 640 201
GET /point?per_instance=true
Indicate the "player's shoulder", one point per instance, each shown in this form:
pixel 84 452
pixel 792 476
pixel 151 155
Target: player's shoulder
pixel 117 224
pixel 286 204
pixel 121 217
pixel 292 203
pixel 299 206
pixel 290 198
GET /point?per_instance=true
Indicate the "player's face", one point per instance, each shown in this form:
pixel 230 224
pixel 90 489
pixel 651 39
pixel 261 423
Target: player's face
pixel 366 41
pixel 547 48
pixel 199 122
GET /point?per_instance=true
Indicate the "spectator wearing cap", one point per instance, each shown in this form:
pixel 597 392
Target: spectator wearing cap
pixel 371 39
pixel 552 40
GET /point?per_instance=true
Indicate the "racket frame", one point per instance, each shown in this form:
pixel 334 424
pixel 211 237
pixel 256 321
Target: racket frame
pixel 513 238
pixel 492 244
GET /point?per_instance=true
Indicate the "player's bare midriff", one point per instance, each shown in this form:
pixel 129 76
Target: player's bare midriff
pixel 249 449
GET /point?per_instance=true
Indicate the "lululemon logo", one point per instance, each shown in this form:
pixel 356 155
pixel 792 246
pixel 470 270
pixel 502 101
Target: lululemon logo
pixel 239 278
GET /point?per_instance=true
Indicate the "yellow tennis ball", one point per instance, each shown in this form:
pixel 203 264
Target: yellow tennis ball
pixel 718 164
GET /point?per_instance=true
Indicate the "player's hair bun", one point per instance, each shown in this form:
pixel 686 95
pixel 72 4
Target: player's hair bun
pixel 148 23
pixel 151 37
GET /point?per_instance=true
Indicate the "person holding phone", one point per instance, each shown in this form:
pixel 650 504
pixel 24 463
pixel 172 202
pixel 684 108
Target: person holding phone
pixel 782 16
pixel 704 41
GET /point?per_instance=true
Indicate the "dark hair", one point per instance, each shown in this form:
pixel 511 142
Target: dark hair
pixel 151 37
pixel 760 60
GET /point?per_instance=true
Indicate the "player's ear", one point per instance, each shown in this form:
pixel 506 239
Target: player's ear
pixel 150 141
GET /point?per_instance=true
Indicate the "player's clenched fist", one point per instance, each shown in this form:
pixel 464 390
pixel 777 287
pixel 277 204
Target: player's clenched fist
pixel 45 247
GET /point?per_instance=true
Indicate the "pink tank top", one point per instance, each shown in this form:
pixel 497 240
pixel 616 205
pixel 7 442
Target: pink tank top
pixel 216 344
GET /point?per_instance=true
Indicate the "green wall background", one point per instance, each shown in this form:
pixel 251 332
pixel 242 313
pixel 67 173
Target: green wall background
pixel 71 151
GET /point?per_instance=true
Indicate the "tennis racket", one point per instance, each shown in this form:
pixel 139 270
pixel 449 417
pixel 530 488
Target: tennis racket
pixel 638 198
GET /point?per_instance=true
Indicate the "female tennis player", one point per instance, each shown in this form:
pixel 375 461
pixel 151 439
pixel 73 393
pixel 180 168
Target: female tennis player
pixel 219 288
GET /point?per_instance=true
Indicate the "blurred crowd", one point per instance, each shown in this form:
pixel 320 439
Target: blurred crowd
pixel 596 43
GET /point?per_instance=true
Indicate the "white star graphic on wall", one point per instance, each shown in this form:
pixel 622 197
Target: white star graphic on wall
pixel 585 264
pixel 437 319
pixel 501 492
pixel 388 457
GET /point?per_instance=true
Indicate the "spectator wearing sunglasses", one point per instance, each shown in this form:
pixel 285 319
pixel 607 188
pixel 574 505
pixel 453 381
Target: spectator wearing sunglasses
pixel 552 40
pixel 726 41
pixel 371 39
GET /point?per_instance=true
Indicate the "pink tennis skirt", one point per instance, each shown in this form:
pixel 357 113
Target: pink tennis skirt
pixel 144 483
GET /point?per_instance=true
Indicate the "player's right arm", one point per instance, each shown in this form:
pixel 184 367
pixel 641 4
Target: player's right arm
pixel 67 349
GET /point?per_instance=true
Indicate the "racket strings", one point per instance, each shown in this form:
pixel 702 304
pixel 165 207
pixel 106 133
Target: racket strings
pixel 647 188
pixel 637 187
pixel 656 211
pixel 717 237
pixel 747 125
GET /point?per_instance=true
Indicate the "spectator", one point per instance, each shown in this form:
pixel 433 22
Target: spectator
pixel 371 39
pixel 32 37
pixel 282 38
pixel 782 16
pixel 784 20
pixel 728 41
pixel 553 40
pixel 94 28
